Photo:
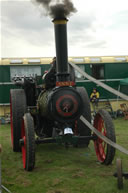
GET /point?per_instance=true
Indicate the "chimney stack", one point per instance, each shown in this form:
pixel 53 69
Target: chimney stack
pixel 60 28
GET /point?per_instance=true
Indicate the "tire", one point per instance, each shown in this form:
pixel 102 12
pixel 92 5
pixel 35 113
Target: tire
pixel 17 110
pixel 28 142
pixel 83 130
pixel 103 123
pixel 119 173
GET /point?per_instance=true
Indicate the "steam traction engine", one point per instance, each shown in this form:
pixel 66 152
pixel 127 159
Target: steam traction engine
pixel 53 114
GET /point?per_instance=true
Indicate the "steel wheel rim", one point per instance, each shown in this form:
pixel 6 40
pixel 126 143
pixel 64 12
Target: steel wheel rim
pixel 24 144
pixel 99 144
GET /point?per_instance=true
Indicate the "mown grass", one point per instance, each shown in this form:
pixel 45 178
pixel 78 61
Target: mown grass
pixel 59 170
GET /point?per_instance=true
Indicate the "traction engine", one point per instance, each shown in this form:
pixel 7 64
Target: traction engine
pixel 52 114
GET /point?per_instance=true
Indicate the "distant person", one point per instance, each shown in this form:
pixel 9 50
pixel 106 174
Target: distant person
pixel 94 98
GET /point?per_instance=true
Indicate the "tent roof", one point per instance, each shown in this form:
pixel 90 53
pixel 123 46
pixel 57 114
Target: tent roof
pixel 124 81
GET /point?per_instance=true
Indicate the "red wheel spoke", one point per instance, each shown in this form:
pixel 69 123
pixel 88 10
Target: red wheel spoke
pixel 99 143
pixel 101 150
pixel 104 133
pixel 104 146
pixel 102 124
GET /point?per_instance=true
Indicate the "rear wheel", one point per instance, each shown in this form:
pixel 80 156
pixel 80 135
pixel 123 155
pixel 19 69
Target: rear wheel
pixel 103 123
pixel 83 130
pixel 28 142
pixel 17 110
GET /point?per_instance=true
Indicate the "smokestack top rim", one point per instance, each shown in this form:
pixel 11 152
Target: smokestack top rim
pixel 60 19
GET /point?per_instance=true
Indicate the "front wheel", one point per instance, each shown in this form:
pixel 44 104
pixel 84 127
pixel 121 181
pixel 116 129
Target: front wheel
pixel 28 142
pixel 103 123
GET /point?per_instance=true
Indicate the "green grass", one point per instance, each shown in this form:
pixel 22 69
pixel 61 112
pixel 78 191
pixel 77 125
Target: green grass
pixel 59 170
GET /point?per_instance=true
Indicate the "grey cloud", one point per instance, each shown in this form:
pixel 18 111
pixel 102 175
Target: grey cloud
pixel 23 15
pixel 97 44
pixel 81 37
pixel 86 40
pixel 81 23
pixel 79 29
pixel 23 20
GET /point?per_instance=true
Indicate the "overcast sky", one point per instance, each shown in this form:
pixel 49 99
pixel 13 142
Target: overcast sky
pixel 100 27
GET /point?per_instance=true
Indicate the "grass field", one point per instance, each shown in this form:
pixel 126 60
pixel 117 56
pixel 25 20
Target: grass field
pixel 59 170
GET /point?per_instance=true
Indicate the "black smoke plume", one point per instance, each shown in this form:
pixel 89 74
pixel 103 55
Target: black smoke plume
pixel 57 9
